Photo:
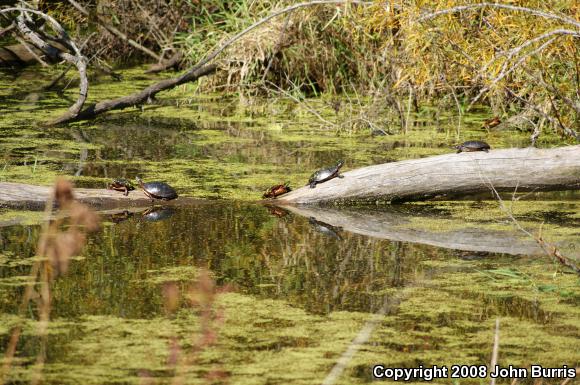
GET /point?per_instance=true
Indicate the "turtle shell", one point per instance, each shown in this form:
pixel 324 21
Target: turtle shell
pixel 325 174
pixel 473 145
pixel 277 190
pixel 159 190
pixel 121 184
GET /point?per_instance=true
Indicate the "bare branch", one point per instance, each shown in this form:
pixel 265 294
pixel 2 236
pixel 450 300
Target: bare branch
pixel 77 59
pixel 535 12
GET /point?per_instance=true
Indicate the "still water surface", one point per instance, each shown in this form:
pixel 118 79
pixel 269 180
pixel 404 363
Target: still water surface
pixel 297 287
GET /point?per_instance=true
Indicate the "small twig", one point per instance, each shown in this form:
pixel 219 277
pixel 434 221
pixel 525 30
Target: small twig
pixel 508 70
pixel 304 103
pixel 536 12
pixel 31 51
pixel 548 248
pixel 495 351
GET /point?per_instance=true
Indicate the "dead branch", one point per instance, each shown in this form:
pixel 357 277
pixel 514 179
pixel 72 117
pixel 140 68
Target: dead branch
pixel 495 351
pixel 136 98
pixel 39 42
pixel 116 32
pixel 172 62
pixel 536 12
pixel 549 249
pixel 198 70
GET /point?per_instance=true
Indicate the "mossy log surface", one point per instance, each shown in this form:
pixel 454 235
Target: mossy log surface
pixel 450 175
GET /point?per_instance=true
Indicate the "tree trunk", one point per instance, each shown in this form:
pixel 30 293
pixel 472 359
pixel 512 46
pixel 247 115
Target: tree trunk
pixel 451 175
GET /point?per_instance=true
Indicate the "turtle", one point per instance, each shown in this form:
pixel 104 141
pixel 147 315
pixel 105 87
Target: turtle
pixel 157 190
pixel 326 174
pixel 121 184
pixel 277 190
pixel 472 145
pixel 491 123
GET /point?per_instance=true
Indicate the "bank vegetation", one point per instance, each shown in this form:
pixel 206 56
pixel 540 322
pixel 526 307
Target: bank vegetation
pixel 520 59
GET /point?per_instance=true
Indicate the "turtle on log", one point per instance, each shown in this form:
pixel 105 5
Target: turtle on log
pixel 325 174
pixel 472 145
pixel 277 190
pixel 121 184
pixel 157 190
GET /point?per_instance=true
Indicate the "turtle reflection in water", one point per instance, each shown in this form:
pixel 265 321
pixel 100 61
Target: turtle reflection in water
pixel 326 174
pixel 157 190
pixel 472 145
pixel 277 211
pixel 120 216
pixel 156 214
pixel 121 184
pixel 325 228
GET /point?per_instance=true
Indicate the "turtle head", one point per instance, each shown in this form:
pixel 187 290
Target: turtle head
pixel 340 163
pixel 139 181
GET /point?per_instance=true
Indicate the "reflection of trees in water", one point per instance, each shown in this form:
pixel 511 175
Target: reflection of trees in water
pixel 324 273
pixel 242 244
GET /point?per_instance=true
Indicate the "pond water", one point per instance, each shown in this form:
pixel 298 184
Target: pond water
pixel 294 287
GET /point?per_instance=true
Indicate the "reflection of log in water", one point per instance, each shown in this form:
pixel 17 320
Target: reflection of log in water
pixel 524 169
pixel 398 227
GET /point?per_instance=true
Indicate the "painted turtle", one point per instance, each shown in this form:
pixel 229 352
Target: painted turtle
pixel 121 184
pixel 157 190
pixel 277 190
pixel 472 145
pixel 491 123
pixel 326 174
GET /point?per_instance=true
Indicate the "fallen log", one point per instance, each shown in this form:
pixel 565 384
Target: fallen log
pixel 30 197
pixel 451 175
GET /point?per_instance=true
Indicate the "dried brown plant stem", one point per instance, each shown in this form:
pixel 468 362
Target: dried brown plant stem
pixel 212 55
pixel 548 248
pixel 495 351
pixel 28 291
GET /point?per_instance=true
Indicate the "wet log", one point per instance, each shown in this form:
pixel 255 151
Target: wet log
pixel 397 226
pixel 450 175
pixel 30 197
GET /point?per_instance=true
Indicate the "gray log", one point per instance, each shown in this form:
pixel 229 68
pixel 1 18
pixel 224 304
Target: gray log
pixel 25 196
pixel 451 175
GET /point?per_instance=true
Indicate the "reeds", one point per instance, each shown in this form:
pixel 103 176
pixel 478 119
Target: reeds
pixel 63 236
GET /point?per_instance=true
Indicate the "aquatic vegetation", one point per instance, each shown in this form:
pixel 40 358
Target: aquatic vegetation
pixel 297 297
